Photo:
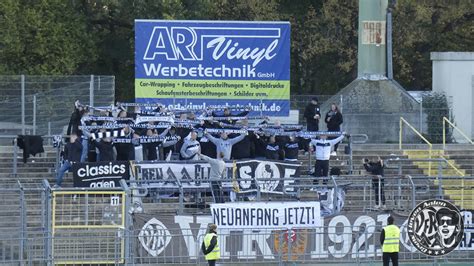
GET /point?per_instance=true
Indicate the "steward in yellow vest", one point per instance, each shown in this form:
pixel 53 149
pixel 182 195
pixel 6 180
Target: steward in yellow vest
pixel 390 241
pixel 210 246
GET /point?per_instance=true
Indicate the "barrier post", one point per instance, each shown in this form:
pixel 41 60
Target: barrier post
pixel 444 133
pixel 91 91
pixel 126 230
pixel 379 189
pixel 23 104
pixel 48 244
pixel 34 114
pixel 22 224
pixel 440 180
pixel 15 157
pixel 413 194
pixel 400 134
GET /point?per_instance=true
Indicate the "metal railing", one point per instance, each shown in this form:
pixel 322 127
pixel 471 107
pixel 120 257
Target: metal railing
pixel 16 149
pixel 430 146
pixel 43 104
pixel 24 246
pixel 446 120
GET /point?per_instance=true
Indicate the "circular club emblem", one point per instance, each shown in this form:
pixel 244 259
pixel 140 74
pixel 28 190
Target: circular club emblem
pixel 267 171
pixel 435 227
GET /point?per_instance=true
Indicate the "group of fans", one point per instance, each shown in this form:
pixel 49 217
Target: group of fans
pixel 135 131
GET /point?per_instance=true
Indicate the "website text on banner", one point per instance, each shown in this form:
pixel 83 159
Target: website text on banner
pixel 200 64
pixel 267 215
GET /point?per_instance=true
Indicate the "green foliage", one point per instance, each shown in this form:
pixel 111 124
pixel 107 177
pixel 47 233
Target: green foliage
pixel 96 36
pixel 435 105
pixel 44 37
pixel 421 27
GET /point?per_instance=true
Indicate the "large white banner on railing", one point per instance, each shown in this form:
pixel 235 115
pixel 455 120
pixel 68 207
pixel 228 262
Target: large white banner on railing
pixel 267 215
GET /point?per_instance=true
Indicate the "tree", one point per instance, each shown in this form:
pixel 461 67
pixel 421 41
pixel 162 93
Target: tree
pixel 324 47
pixel 44 38
pixel 421 27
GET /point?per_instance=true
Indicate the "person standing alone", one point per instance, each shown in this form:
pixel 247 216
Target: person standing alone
pixel 312 114
pixel 72 155
pixel 333 121
pixel 323 148
pixel 210 246
pixel 216 174
pixel 390 241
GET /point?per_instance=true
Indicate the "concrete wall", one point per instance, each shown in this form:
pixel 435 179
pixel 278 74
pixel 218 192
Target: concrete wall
pixel 453 74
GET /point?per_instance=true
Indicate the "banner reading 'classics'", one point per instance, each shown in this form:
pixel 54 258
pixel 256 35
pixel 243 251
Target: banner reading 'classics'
pixel 200 64
pixel 100 174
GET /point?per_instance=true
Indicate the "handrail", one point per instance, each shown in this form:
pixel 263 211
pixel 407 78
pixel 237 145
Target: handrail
pixel 452 165
pixel 455 127
pixel 413 194
pixel 403 121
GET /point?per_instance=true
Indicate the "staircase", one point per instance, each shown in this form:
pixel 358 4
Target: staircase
pixel 459 164
pixel 30 175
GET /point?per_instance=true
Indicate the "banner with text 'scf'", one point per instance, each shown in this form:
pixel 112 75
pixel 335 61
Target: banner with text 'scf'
pixel 200 64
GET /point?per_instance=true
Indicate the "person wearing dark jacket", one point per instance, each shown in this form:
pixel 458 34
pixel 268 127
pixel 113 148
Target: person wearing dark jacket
pixel 333 121
pixel 210 246
pixel 312 114
pixel 75 120
pixel 106 149
pixel 291 149
pixel 125 151
pixel 72 154
pixel 260 144
pixel 152 149
pixel 171 144
pixel 376 169
pixel 245 149
pixel 272 150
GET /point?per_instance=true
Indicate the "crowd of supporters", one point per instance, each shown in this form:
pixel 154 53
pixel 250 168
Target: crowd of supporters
pixel 124 134
pixel 152 132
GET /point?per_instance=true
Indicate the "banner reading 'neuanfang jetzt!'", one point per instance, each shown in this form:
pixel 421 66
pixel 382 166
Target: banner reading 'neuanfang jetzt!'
pixel 200 64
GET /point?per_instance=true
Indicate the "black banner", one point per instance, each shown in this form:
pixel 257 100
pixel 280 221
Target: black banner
pixel 270 176
pixel 102 174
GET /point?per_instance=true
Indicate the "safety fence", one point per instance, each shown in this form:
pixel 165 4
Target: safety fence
pixel 43 104
pixel 102 226
pixel 427 119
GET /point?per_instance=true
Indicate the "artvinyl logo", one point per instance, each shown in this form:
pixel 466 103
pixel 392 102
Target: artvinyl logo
pixel 435 227
pixel 189 43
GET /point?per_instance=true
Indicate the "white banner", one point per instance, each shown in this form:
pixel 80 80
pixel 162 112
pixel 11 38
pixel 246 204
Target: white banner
pixel 266 215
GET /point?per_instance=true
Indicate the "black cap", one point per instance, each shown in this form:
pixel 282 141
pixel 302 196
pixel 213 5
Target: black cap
pixel 314 99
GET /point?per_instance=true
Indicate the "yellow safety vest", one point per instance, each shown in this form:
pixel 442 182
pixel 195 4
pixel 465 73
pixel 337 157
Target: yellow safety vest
pixel 215 254
pixel 391 242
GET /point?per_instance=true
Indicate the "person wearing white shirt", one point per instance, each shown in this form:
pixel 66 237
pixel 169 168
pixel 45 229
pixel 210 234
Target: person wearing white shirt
pixel 323 148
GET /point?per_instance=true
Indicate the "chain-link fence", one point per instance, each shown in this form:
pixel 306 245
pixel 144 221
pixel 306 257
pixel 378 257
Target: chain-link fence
pixel 42 105
pixel 428 120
